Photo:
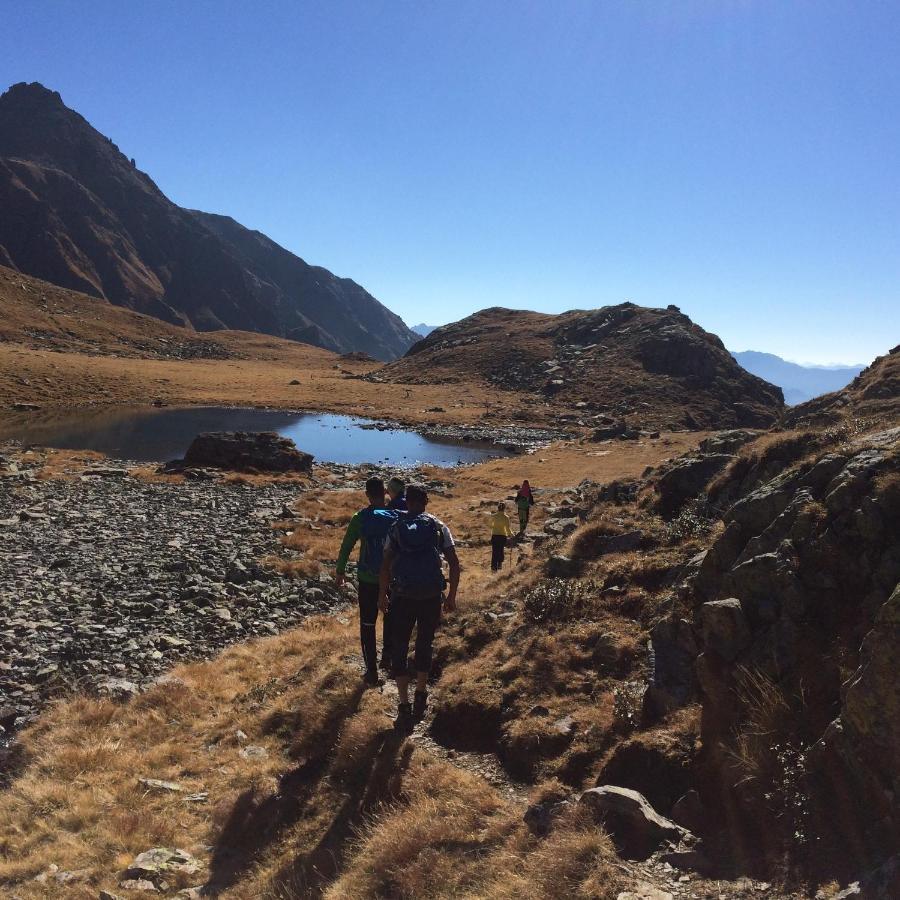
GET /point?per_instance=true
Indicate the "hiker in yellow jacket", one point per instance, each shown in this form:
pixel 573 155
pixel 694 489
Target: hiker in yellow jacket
pixel 500 532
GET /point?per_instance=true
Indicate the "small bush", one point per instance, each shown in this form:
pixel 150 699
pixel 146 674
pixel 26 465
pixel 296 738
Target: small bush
pixel 559 600
pixel 628 701
pixel 691 522
pixel 770 755
pixel 588 543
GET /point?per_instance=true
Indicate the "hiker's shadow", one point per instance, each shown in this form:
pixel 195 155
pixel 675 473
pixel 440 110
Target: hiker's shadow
pixel 255 822
pixel 374 781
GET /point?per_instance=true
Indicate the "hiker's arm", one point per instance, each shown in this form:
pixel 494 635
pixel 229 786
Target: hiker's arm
pixel 453 559
pixel 350 538
pixel 384 578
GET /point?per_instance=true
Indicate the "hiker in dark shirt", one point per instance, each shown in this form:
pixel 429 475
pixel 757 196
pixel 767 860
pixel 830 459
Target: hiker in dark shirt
pixel 412 573
pixel 369 526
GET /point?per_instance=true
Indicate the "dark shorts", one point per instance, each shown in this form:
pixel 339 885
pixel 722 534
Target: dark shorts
pixel 422 613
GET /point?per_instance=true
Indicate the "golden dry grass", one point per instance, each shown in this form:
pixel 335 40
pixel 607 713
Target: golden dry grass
pixel 450 836
pixel 79 805
pixel 340 805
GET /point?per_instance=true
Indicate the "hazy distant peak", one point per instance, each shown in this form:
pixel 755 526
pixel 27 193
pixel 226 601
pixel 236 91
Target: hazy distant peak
pixel 799 383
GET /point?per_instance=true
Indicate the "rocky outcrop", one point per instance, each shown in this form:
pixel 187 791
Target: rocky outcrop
pixel 78 213
pixel 796 630
pixel 241 451
pixel 624 369
pixel 686 478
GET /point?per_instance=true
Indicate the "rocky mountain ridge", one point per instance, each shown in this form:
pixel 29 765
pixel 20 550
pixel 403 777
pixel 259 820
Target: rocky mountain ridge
pixel 78 213
pixel 650 366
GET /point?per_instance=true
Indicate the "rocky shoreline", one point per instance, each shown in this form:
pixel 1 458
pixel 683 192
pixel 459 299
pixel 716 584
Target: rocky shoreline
pixel 511 438
pixel 106 580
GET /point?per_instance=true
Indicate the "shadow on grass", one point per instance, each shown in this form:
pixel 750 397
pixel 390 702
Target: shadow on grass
pixel 256 822
pixel 374 781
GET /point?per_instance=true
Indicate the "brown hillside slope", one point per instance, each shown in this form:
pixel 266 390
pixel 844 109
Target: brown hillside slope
pixel 42 316
pixel 78 213
pixel 873 394
pixel 647 366
pixel 60 349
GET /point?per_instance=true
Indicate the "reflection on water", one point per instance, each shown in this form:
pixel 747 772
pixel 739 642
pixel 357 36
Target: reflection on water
pixel 156 435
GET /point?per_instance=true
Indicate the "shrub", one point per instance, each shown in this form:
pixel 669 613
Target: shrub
pixel 559 600
pixel 770 754
pixel 691 522
pixel 588 543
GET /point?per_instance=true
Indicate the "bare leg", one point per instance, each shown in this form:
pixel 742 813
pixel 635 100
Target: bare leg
pixel 421 682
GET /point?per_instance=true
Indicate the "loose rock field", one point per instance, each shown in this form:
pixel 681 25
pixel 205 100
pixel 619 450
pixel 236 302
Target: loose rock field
pixel 106 581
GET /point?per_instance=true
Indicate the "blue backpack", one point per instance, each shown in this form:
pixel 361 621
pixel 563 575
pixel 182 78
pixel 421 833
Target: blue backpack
pixel 417 565
pixel 374 527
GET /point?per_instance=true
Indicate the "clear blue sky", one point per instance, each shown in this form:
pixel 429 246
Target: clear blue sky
pixel 739 159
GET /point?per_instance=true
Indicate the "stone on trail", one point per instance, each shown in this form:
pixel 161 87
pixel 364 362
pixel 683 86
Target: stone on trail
pixel 241 451
pixel 138 884
pixel 154 865
pixel 254 752
pixel 157 784
pixel 634 825
pixel 645 891
pixel 561 566
pixel 119 688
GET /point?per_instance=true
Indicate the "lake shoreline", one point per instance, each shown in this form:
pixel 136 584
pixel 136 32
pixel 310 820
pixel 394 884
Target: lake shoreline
pixel 117 430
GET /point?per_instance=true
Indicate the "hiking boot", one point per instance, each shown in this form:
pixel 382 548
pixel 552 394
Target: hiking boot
pixel 404 720
pixel 420 701
pixel 371 678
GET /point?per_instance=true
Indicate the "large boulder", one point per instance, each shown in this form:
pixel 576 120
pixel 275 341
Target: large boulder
pixel 724 627
pixel 728 441
pixel 686 479
pixel 673 651
pixel 241 451
pixel 635 826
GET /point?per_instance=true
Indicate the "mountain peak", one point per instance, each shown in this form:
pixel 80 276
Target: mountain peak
pixel 31 94
pixel 97 224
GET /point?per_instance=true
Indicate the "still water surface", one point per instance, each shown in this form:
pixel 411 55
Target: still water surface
pixel 157 435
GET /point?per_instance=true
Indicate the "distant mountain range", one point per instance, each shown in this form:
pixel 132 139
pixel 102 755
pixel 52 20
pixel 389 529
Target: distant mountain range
pixel 423 330
pixel 874 395
pixel 799 383
pixel 76 212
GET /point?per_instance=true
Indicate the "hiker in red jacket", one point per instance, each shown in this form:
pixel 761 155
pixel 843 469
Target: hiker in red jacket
pixel 524 502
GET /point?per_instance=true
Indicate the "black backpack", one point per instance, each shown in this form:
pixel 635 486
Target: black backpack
pixel 417 565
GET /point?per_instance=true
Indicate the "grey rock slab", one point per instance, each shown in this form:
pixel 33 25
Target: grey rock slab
pixel 724 627
pixel 634 825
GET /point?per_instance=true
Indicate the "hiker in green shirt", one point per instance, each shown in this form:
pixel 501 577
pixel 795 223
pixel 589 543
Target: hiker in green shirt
pixel 369 526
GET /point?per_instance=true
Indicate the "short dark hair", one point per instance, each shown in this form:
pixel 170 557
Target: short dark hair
pixel 416 493
pixel 375 487
pixel 397 484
